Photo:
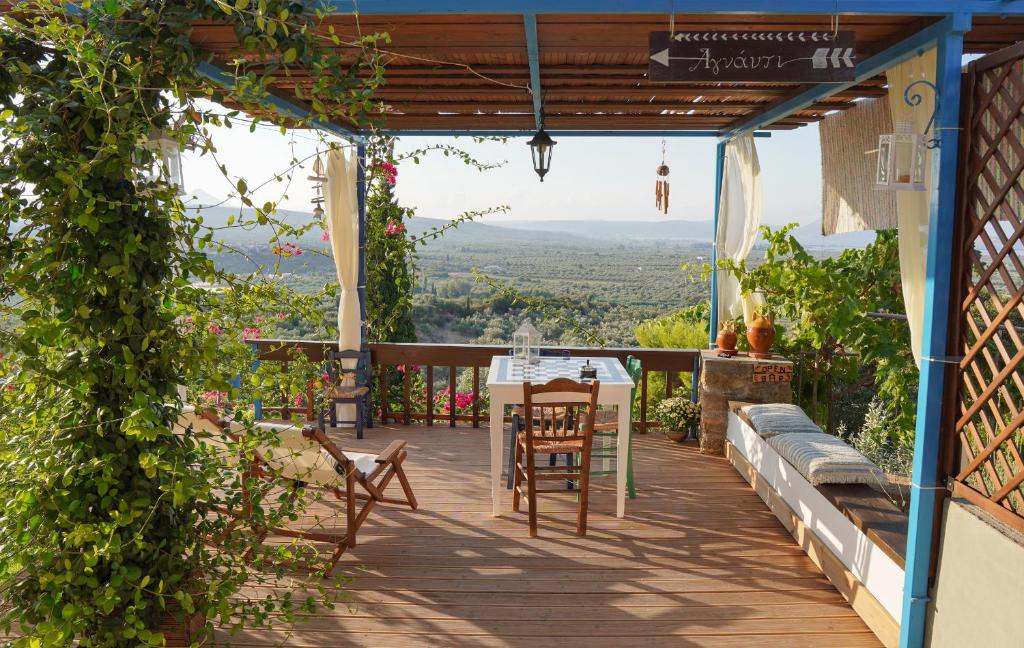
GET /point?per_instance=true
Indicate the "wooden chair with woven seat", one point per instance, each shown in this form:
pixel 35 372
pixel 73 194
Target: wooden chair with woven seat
pixel 569 431
pixel 606 425
pixel 303 456
pixel 518 425
pixel 349 384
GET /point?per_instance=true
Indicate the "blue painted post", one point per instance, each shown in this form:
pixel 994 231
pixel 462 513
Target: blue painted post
pixel 942 213
pixel 533 57
pixel 257 403
pixel 719 172
pixel 361 197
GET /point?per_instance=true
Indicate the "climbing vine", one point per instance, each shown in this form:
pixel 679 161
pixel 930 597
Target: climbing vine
pixel 111 518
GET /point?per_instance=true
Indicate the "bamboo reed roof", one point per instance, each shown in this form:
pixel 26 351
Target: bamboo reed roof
pixel 471 72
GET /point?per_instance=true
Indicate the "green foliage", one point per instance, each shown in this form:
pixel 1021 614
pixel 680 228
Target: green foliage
pixel 825 305
pixel 108 514
pixel 684 329
pixel 389 258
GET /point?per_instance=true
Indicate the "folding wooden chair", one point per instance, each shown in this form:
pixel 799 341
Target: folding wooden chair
pixel 562 403
pixel 306 457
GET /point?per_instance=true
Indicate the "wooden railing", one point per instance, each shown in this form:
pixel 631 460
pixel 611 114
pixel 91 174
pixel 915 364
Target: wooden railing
pixel 440 366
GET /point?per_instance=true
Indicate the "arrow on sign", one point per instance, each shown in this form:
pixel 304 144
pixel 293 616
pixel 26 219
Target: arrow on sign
pixel 836 56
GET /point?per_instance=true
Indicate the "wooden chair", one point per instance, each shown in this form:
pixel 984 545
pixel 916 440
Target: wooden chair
pixel 557 401
pixel 306 457
pixel 606 425
pixel 518 425
pixel 356 391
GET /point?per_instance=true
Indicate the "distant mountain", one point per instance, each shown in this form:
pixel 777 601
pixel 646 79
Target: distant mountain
pixel 678 230
pixel 810 237
pixel 564 232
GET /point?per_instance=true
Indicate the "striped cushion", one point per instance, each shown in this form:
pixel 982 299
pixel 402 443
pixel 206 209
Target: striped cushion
pixel 825 459
pixel 779 418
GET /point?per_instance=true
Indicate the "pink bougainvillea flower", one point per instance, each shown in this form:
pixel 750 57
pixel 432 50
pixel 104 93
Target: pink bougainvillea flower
pixel 286 250
pixel 250 333
pixel 216 330
pixel 393 228
pixel 299 400
pixel 258 319
pixel 326 236
pixel 10 387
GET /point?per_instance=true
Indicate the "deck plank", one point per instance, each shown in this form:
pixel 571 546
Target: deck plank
pixel 698 561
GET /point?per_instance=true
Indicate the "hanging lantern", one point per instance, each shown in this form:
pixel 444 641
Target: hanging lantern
pixel 526 343
pixel 902 153
pixel 540 147
pixel 166 164
pixel 661 184
pixel 318 178
pixel 901 160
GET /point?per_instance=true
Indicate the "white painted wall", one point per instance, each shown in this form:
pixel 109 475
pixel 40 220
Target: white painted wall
pixel 978 599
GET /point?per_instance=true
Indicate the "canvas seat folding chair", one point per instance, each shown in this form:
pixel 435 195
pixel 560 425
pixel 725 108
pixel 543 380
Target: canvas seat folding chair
pixel 349 385
pixel 556 400
pixel 303 456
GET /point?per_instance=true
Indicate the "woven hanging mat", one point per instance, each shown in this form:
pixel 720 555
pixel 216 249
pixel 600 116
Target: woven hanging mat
pixel 850 202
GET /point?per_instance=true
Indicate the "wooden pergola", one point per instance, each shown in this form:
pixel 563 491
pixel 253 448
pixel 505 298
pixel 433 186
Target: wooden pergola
pixel 451 73
pixel 579 68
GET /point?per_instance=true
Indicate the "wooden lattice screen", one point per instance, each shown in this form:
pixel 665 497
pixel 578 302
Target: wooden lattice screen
pixel 989 426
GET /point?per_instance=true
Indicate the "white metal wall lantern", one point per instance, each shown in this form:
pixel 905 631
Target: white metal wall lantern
pixel 526 343
pixel 902 153
pixel 166 165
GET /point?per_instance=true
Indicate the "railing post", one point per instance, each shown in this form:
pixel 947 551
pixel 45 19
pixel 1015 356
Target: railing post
pixel 695 379
pixel 361 176
pixel 719 172
pixel 257 404
pixel 925 484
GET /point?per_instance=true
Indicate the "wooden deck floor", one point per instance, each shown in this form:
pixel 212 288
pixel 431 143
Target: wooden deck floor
pixel 698 561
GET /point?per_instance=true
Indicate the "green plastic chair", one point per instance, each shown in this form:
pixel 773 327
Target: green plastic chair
pixel 608 427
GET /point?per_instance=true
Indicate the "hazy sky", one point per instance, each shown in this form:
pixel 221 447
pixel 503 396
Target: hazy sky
pixel 590 178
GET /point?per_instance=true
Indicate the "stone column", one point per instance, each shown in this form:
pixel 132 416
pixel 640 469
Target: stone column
pixel 740 378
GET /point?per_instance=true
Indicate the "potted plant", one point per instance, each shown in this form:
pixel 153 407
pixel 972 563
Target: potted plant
pixel 678 416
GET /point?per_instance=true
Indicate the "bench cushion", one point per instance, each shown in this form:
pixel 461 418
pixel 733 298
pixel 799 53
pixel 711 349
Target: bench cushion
pixel 825 459
pixel 779 418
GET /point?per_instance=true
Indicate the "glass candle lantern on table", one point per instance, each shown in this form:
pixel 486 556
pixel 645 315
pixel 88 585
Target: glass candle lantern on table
pixel 526 343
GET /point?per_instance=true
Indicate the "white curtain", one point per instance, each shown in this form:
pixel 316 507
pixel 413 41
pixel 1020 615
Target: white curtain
pixel 342 203
pixel 912 206
pixel 739 216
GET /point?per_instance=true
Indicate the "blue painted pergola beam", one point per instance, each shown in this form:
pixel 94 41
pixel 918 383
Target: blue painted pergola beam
pixel 533 57
pixel 867 69
pixel 780 7
pixel 290 109
pixel 560 133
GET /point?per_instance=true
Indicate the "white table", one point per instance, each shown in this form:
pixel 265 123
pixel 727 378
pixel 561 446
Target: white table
pixel 505 384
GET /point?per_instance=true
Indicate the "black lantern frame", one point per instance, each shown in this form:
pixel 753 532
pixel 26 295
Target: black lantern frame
pixel 540 149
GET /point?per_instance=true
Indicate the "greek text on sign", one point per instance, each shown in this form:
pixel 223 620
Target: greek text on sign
pixel 773 373
pixel 788 56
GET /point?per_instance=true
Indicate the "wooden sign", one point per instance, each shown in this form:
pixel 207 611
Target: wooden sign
pixel 773 373
pixel 786 56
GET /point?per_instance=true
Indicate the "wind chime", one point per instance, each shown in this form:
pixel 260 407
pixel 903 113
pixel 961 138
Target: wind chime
pixel 661 185
pixel 318 178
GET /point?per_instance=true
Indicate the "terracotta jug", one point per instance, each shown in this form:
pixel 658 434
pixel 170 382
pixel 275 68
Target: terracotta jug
pixel 726 340
pixel 760 335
